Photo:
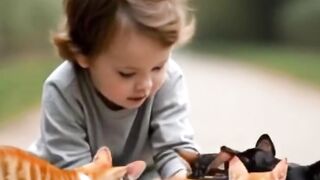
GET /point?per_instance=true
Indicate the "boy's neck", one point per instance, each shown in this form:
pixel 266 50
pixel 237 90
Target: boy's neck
pixel 113 106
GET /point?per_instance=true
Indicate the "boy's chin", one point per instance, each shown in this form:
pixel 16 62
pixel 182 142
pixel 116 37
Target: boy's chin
pixel 133 105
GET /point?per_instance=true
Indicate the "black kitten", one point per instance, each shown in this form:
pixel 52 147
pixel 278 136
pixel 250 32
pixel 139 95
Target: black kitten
pixel 310 172
pixel 262 158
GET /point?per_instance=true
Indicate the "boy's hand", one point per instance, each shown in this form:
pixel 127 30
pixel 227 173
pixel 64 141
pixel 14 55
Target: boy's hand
pixel 180 175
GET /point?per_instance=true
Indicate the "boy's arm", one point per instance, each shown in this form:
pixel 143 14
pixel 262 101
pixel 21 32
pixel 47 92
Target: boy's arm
pixel 170 125
pixel 63 136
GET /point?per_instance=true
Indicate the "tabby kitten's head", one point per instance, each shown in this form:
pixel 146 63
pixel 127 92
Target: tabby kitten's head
pixel 101 168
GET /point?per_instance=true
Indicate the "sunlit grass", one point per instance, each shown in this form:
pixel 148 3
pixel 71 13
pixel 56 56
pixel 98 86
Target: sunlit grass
pixel 21 82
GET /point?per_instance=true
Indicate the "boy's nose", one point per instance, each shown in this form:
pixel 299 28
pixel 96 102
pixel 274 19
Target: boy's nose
pixel 144 85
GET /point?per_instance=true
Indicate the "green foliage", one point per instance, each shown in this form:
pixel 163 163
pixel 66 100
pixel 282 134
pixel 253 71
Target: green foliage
pixel 300 63
pixel 235 20
pixel 299 22
pixel 21 83
pixel 25 25
pixel 291 21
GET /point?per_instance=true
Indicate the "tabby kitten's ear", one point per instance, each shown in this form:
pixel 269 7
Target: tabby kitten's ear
pixel 280 171
pixel 135 169
pixel 102 158
pixel 236 168
pixel 131 171
pixel 103 155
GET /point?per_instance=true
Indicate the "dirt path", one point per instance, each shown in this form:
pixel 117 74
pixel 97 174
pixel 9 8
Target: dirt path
pixel 23 131
pixel 232 104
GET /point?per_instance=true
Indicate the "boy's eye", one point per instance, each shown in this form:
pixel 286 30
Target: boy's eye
pixel 126 75
pixel 158 68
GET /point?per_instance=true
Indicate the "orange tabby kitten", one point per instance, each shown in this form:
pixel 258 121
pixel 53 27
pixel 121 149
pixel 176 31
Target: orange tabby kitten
pixel 17 164
pixel 237 171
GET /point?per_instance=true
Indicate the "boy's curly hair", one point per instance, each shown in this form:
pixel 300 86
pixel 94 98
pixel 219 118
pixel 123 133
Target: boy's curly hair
pixel 89 25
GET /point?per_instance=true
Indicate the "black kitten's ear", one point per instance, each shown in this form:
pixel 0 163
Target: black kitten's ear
pixel 265 143
pixel 229 150
pixel 187 155
pixel 225 155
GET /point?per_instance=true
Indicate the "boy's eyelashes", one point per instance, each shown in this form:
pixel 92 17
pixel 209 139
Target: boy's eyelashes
pixel 158 68
pixel 131 74
pixel 126 75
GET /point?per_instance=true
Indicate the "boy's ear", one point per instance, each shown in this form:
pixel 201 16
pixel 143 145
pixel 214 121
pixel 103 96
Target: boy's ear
pixel 81 60
pixel 135 169
pixel 280 171
pixel 78 57
pixel 103 155
pixel 265 143
pixel 236 168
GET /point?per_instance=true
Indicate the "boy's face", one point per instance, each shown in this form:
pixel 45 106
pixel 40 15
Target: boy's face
pixel 130 70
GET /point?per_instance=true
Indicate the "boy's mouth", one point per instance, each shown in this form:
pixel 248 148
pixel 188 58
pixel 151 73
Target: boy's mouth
pixel 137 98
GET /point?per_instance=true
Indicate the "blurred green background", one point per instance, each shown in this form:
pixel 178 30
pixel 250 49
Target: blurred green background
pixel 282 35
pixel 26 54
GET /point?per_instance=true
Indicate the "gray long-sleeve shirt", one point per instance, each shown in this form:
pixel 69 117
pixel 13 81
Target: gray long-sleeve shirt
pixel 75 122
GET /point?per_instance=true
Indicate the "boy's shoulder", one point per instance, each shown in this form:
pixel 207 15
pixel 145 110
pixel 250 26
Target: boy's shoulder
pixel 63 76
pixel 174 75
pixel 174 69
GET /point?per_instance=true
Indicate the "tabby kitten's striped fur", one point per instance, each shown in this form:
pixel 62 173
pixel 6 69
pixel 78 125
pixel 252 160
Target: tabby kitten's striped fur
pixel 17 164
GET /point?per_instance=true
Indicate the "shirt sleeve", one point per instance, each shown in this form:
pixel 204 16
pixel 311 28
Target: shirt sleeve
pixel 63 139
pixel 170 124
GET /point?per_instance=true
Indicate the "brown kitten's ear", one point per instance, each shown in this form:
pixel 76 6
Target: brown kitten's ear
pixel 103 155
pixel 187 155
pixel 135 169
pixel 236 168
pixel 265 143
pixel 280 171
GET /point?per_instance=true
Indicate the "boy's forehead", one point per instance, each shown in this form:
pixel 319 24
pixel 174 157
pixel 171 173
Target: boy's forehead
pixel 133 51
pixel 128 38
pixel 135 66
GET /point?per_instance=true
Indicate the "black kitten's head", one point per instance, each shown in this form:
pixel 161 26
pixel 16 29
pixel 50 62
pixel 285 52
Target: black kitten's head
pixel 261 157
pixel 258 159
